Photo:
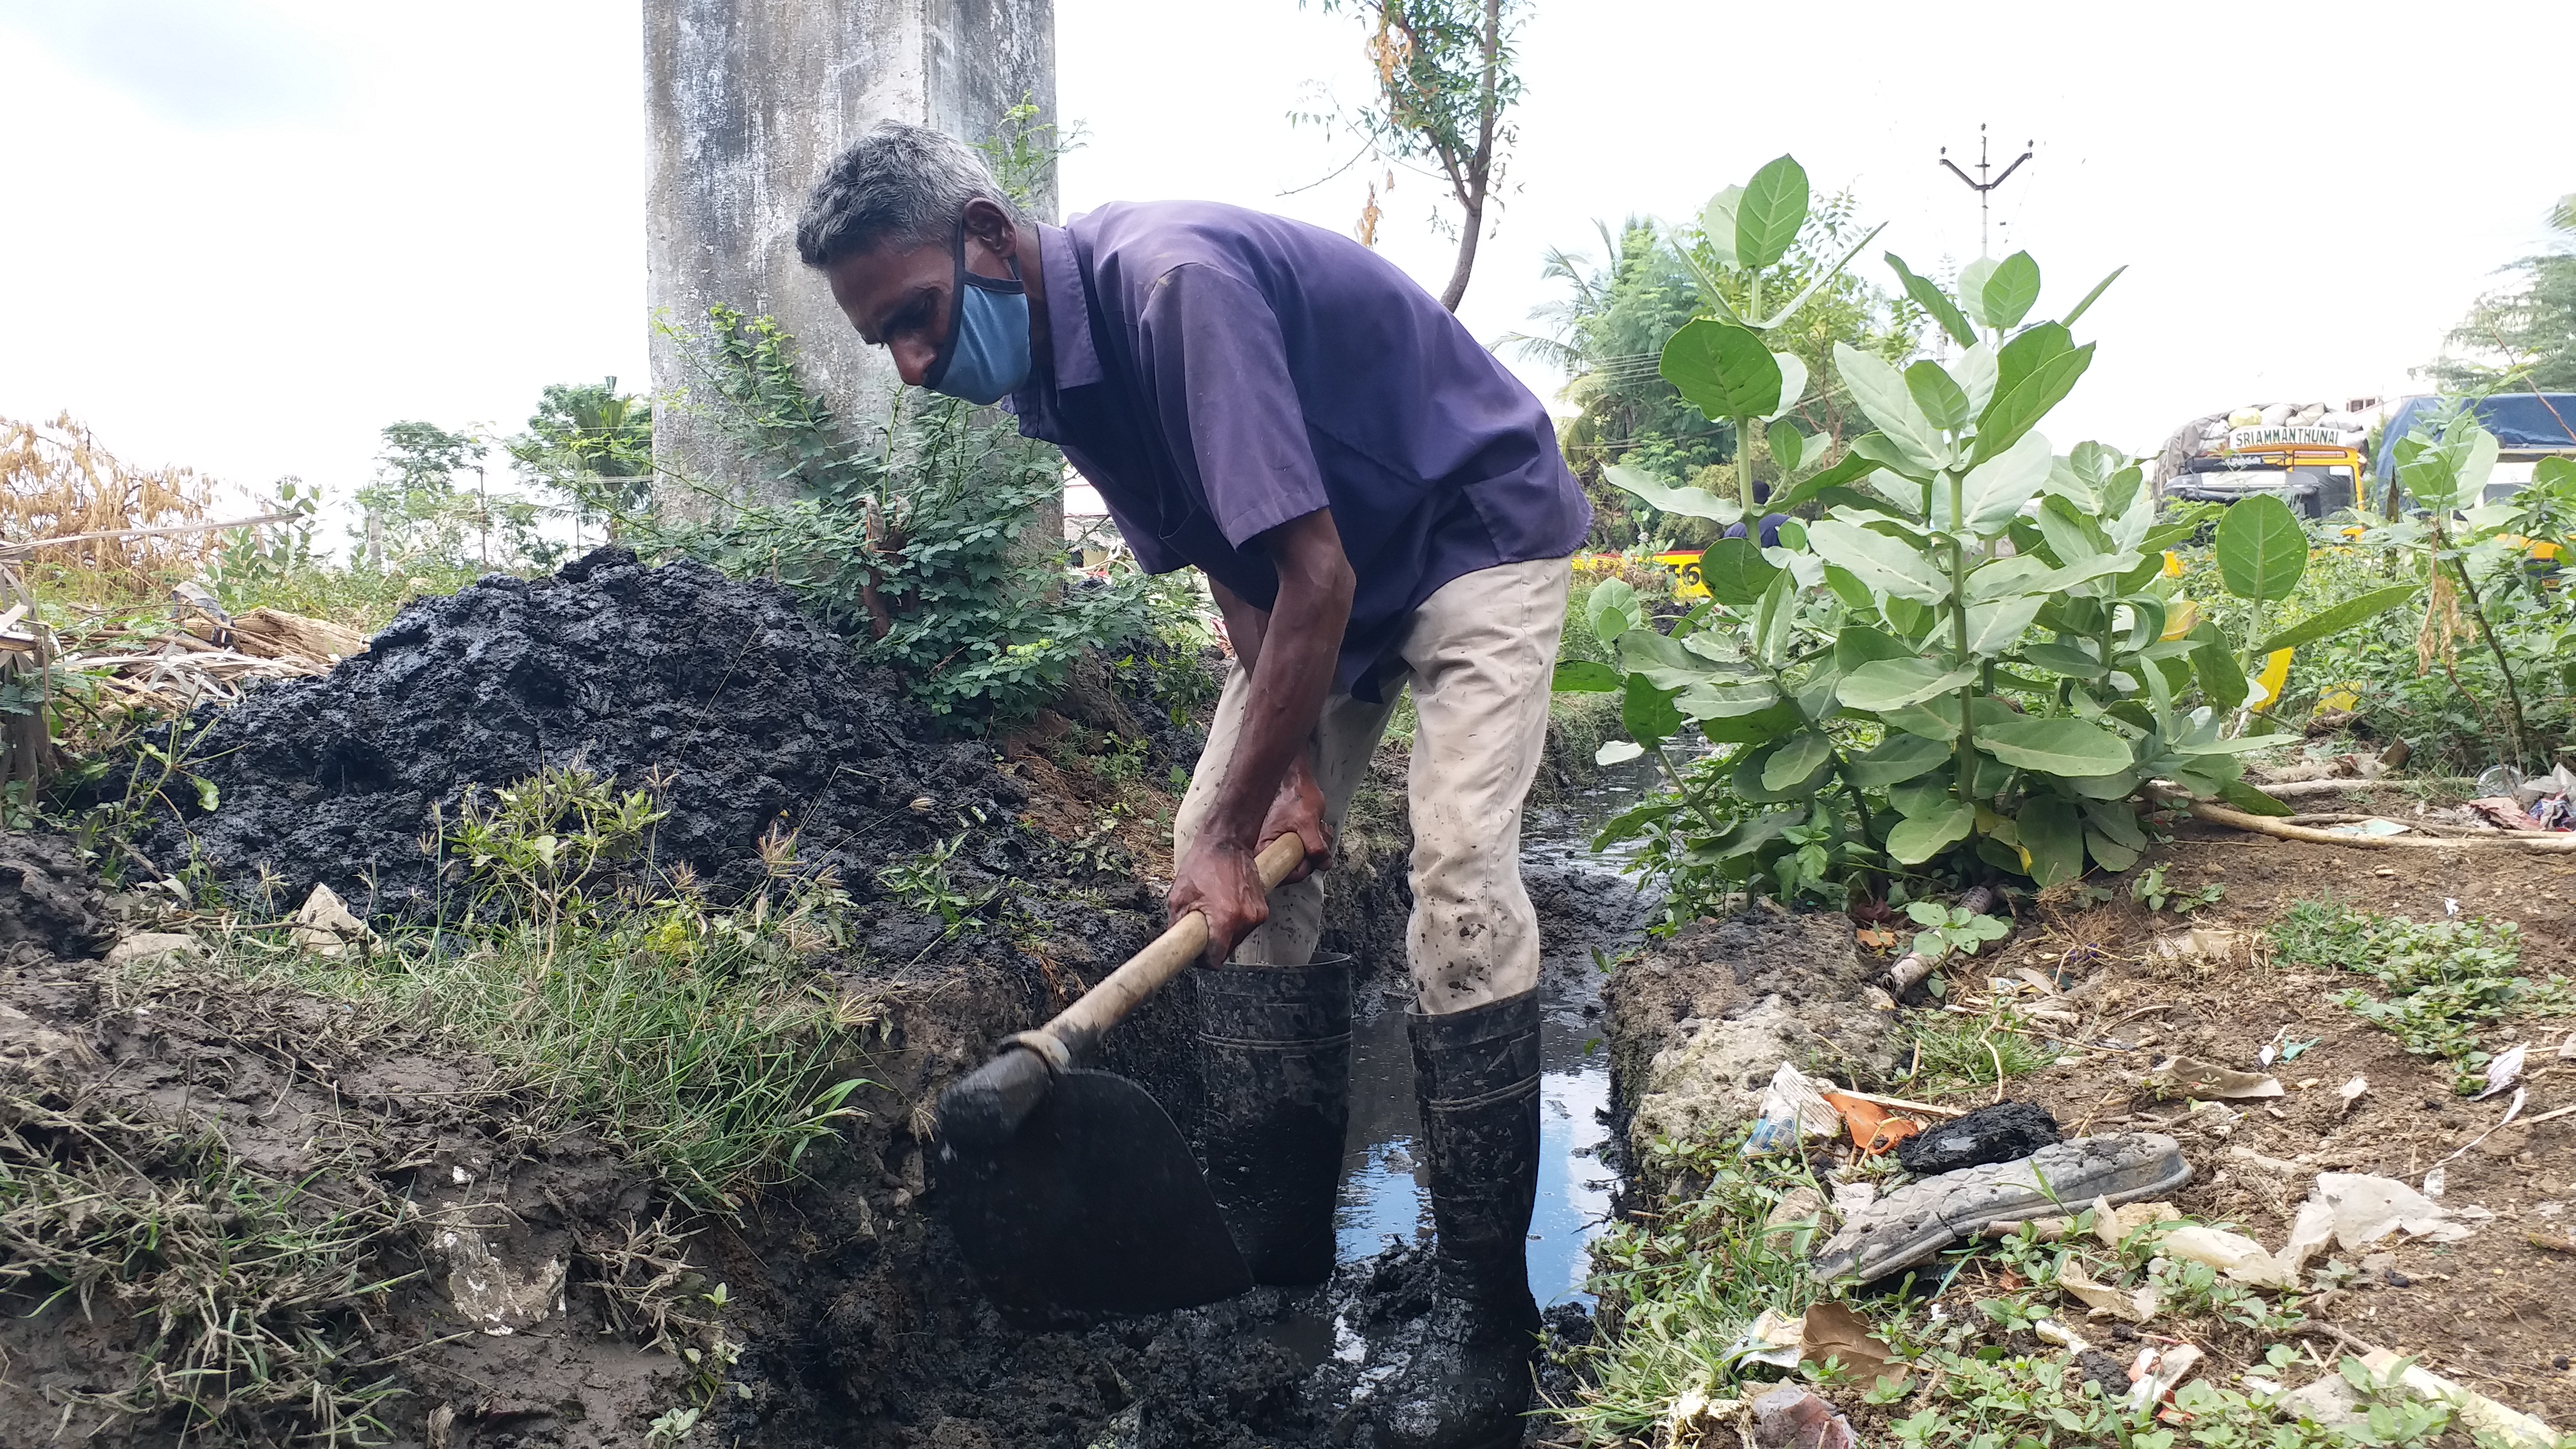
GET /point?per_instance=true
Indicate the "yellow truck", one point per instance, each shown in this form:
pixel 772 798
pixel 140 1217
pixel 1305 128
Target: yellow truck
pixel 2309 455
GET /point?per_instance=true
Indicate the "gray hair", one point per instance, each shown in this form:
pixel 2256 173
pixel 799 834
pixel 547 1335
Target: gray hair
pixel 901 183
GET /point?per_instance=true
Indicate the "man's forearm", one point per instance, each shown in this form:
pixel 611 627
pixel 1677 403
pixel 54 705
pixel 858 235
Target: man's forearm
pixel 1289 669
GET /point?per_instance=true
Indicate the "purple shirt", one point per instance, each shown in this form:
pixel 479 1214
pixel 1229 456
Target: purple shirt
pixel 1216 372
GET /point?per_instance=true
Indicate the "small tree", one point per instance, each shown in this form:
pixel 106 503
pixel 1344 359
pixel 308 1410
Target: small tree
pixel 594 445
pixel 415 508
pixel 2522 335
pixel 1445 80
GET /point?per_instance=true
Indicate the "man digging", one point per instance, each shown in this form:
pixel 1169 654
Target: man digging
pixel 1377 504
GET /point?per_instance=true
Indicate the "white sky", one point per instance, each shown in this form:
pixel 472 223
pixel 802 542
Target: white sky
pixel 246 234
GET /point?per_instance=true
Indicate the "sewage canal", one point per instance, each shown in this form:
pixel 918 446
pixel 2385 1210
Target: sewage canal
pixel 1584 904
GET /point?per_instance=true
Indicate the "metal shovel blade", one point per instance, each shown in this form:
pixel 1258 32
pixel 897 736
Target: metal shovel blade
pixel 1095 1204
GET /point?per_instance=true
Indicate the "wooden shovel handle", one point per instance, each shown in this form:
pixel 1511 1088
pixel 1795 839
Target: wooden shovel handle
pixel 990 1103
pixel 1121 991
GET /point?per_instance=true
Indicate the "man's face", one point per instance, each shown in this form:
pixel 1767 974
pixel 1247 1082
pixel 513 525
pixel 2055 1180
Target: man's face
pixel 899 300
pixel 899 296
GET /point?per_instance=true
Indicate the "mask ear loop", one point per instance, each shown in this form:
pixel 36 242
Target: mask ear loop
pixel 956 302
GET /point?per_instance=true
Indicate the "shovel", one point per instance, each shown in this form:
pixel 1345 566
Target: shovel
pixel 1070 1189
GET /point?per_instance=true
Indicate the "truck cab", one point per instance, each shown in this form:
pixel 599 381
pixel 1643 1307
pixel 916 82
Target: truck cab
pixel 2309 468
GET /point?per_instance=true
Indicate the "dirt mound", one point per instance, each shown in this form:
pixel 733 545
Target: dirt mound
pixel 48 900
pixel 754 716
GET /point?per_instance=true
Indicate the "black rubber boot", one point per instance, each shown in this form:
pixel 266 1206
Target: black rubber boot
pixel 1275 1058
pixel 1476 1074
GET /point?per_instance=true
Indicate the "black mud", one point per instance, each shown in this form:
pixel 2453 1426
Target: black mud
pixel 754 715
pixel 49 904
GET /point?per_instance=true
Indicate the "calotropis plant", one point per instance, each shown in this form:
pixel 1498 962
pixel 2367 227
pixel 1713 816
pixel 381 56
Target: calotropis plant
pixel 1723 364
pixel 1968 648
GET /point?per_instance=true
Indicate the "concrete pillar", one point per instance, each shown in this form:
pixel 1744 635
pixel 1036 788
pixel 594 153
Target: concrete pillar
pixel 747 101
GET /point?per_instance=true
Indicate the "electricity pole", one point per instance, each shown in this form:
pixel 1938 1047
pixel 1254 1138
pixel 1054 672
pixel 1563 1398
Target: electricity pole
pixel 1981 185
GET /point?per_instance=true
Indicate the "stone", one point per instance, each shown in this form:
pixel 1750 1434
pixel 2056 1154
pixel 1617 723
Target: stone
pixel 162 947
pixel 326 927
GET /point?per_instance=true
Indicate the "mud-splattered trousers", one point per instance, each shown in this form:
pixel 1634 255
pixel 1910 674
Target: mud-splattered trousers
pixel 1478 656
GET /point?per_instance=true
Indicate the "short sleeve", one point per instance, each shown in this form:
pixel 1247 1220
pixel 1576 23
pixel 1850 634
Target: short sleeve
pixel 1219 374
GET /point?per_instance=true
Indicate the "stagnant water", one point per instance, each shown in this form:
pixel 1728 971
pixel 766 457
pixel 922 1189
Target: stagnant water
pixel 1584 904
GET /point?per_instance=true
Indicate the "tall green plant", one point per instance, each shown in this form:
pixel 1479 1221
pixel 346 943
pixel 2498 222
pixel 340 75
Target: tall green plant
pixel 1966 651
pixel 1723 364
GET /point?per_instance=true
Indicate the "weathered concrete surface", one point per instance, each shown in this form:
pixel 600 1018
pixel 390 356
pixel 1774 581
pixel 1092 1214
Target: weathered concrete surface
pixel 747 100
pixel 1698 1023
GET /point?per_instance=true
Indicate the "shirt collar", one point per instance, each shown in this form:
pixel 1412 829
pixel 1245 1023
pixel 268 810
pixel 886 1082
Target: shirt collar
pixel 1077 361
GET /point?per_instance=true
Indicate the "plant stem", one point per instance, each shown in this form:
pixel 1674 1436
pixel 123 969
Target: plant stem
pixel 1682 788
pixel 1967 785
pixel 2504 666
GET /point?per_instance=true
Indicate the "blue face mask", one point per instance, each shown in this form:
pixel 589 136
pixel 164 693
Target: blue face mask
pixel 986 356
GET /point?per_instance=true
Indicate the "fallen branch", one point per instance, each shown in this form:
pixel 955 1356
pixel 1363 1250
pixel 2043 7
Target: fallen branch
pixel 2556 842
pixel 2293 789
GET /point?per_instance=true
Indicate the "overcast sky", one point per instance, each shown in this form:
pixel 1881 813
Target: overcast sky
pixel 246 234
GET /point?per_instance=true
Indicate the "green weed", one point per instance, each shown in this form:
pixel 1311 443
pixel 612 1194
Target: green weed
pixel 1950 1052
pixel 247 1292
pixel 2445 982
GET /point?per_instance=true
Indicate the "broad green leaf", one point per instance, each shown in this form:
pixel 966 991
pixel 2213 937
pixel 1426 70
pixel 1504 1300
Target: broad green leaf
pixel 1756 763
pixel 1918 838
pixel 1996 489
pixel 2063 658
pixel 1974 371
pixel 1662 661
pixel 1746 729
pixel 2011 290
pixel 2099 565
pixel 2052 835
pixel 1689 502
pixel 2342 616
pixel 2116 819
pixel 1894 683
pixel 1723 370
pixel 1972 290
pixel 1929 296
pixel 2222 679
pixel 1942 400
pixel 1793 382
pixel 2085 306
pixel 1881 392
pixel 2064 747
pixel 1584 676
pixel 2252 801
pixel 1706 701
pixel 1852 466
pixel 2034 372
pixel 1717 223
pixel 1768 215
pixel 1611 607
pixel 1788 445
pixel 2006 577
pixel 1929 724
pixel 1648 712
pixel 1796 761
pixel 2075 538
pixel 1859 644
pixel 1888 565
pixel 1617 752
pixel 2111 854
pixel 1909 468
pixel 1774 619
pixel 1896 759
pixel 1995 628
pixel 1735 572
pixel 1921 796
pixel 2261 548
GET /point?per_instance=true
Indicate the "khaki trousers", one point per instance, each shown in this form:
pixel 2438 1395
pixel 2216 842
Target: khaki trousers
pixel 1478 657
